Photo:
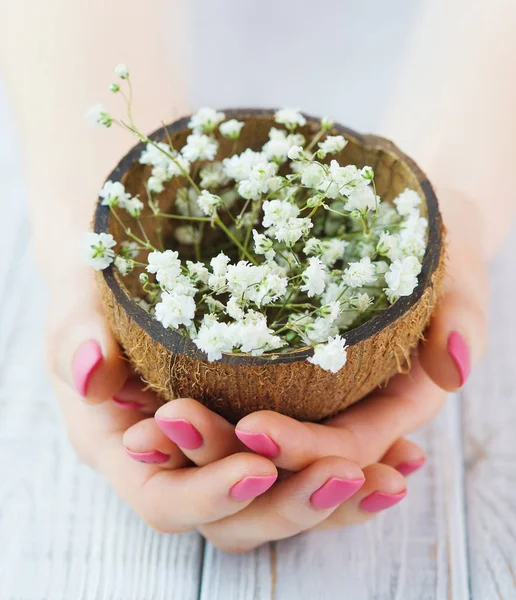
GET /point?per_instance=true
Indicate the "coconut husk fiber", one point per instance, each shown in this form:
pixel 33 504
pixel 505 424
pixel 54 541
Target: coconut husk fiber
pixel 240 384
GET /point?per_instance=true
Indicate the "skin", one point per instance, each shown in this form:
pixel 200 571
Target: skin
pixel 59 70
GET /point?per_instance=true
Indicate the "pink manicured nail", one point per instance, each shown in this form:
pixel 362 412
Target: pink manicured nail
pixel 85 361
pixel 181 432
pixel 126 405
pixel 378 501
pixel 459 351
pixel 335 491
pixel 250 487
pixel 155 457
pixel 408 468
pixel 260 443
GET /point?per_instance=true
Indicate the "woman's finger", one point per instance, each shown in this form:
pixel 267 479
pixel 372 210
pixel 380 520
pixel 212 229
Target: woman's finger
pixel 202 435
pixel 405 456
pixel 82 351
pixel 135 395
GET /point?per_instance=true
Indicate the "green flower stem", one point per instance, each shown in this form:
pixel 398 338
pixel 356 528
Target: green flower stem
pixel 315 139
pixel 183 217
pixel 244 251
pixel 130 234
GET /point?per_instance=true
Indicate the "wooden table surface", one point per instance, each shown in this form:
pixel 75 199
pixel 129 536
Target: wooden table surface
pixel 66 536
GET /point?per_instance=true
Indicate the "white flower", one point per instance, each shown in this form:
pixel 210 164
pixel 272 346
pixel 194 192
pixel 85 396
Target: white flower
pixel 407 201
pixel 133 206
pixel 401 278
pixel 331 311
pixel 314 277
pixel 156 155
pixel 96 250
pixel 239 166
pixel 361 302
pixel 293 230
pixel 187 235
pixel 174 310
pixel 231 129
pixel 212 175
pixel 411 243
pixel 214 338
pixel 205 120
pixel 416 224
pixel 209 203
pixel 253 335
pixel 168 259
pixel 290 117
pixel 359 273
pixel 280 143
pixel 313 175
pixel 155 185
pixel 113 193
pixel 186 202
pixel 114 87
pixel 278 212
pixel 199 147
pixel 98 115
pixel 362 199
pixel 296 153
pixel 332 250
pixel 121 71
pixel 332 144
pixel 263 245
pixel 124 265
pixel 129 249
pixel 177 166
pixel 258 182
pixel 327 123
pixel 389 245
pixel 219 265
pixel 233 309
pixel 331 356
pixel 313 246
pixel 198 271
pixel 319 331
pixel 341 180
pixel 214 305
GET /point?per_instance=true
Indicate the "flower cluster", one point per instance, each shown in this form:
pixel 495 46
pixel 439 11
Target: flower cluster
pixel 308 250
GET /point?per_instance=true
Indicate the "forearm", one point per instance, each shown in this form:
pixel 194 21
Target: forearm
pixel 57 60
pixel 454 107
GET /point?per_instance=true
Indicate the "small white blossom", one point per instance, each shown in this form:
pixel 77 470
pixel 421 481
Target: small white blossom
pixel 359 273
pixel 407 201
pixel 280 143
pixel 186 202
pixel 411 243
pixel 219 265
pixel 212 176
pixel 239 166
pixel 362 199
pixel 233 309
pixel 198 271
pixel 133 206
pixel 209 203
pixel 263 245
pixel 121 71
pixel 389 245
pixel 174 310
pixel 401 278
pixel 253 335
pixel 97 250
pixel 327 123
pixel 416 224
pixel 313 175
pixel 290 117
pixel 155 185
pixel 331 356
pixel 278 212
pixel 113 193
pixel 214 338
pixel 129 249
pixel 367 173
pixel 314 277
pixel 258 182
pixel 296 153
pixel 124 265
pixel 329 251
pixel 361 302
pixel 205 120
pixel 332 144
pixel 98 115
pixel 114 87
pixel 319 331
pixel 187 235
pixel 155 154
pixel 214 305
pixel 166 265
pixel 231 129
pixel 293 230
pixel 199 146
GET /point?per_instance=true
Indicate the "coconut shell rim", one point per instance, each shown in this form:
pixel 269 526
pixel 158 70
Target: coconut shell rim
pixel 179 344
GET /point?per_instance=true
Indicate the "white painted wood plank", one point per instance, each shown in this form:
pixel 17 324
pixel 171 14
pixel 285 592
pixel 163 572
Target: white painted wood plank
pixel 490 445
pixel 64 535
pixel 415 551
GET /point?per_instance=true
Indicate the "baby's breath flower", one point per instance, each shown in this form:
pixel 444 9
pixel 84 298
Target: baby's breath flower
pixel 367 173
pixel 97 250
pixel 124 265
pixel 290 117
pixel 233 309
pixel 389 245
pixel 327 123
pixel 155 184
pixel 407 201
pixel 239 166
pixel 296 153
pixel 253 335
pixel 314 277
pixel 231 129
pixel 98 115
pixel 263 245
pixel 113 193
pixel 133 206
pixel 213 176
pixel 114 87
pixel 278 212
pixel 362 199
pixel 331 356
pixel 198 271
pixel 186 202
pixel 121 71
pixel 359 273
pixel 361 302
pixel 331 145
pixel 129 249
pixel 280 143
pixel 199 146
pixel 187 235
pixel 175 310
pixel 209 203
pixel 313 175
pixel 161 262
pixel 214 338
pixel 205 120
pixel 401 278
pixel 293 230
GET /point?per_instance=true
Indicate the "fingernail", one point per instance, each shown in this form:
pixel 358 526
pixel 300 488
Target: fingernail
pixel 459 351
pixel 85 361
pixel 335 491
pixel 181 432
pixel 260 443
pixel 250 487
pixel 407 468
pixel 378 501
pixel 155 457
pixel 126 405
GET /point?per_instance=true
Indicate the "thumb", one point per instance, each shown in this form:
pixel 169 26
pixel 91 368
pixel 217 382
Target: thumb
pixel 82 352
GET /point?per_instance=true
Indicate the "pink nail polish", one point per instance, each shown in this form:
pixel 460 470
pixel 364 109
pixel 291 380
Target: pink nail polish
pixel 85 361
pixel 335 491
pixel 155 457
pixel 181 432
pixel 410 467
pixel 126 405
pixel 250 487
pixel 459 351
pixel 260 443
pixel 378 501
